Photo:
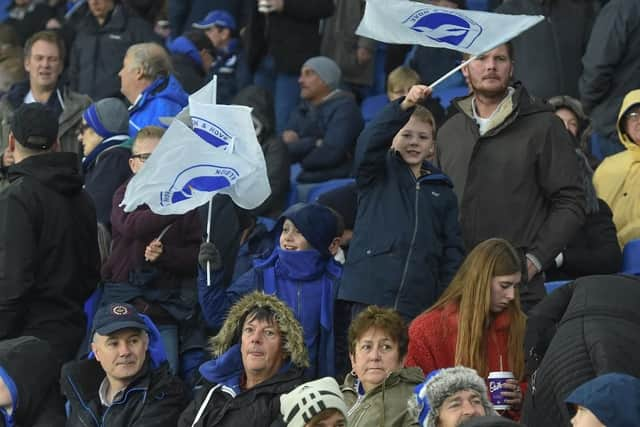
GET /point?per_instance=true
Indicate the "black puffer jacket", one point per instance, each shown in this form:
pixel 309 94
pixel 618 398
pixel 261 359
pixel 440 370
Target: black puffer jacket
pixel 155 398
pixel 256 407
pixel 592 327
pixel 97 52
pixel 48 252
pixel 27 363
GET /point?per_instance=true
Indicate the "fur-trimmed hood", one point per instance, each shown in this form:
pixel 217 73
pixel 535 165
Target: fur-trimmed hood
pixel 290 328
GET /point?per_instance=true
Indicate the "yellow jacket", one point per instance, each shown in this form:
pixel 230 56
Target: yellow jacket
pixel 617 180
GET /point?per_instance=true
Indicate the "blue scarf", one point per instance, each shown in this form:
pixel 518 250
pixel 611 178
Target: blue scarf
pixel 88 161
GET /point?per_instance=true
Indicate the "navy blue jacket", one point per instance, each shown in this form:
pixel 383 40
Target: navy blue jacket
pixel 336 122
pixel 406 243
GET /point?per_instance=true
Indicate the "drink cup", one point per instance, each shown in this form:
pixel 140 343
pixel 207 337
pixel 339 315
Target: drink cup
pixel 496 381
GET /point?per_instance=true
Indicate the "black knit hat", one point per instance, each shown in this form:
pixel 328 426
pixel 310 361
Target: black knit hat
pixel 35 126
pixel 317 223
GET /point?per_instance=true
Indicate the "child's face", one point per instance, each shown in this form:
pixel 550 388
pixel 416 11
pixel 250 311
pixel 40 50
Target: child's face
pixel 414 142
pixel 291 239
pixel 585 418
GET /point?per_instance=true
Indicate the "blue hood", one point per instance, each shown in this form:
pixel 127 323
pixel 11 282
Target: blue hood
pixel 613 398
pixel 165 97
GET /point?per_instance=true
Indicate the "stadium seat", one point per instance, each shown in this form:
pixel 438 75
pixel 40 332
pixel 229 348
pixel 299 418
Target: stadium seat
pixel 327 186
pixel 372 106
pixel 552 286
pixel 631 257
pixel 482 5
pixel 447 94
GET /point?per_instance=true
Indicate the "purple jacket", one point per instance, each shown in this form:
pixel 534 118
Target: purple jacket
pixel 132 232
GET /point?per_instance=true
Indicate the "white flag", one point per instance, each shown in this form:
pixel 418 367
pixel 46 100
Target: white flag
pixel 206 94
pixel 410 22
pixel 185 171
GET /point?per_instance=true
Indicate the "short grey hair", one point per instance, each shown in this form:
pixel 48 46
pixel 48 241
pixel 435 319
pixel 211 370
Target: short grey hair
pixel 144 334
pixel 152 59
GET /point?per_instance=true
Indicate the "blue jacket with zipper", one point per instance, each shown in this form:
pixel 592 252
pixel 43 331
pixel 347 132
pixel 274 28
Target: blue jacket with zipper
pixel 163 98
pixel 406 243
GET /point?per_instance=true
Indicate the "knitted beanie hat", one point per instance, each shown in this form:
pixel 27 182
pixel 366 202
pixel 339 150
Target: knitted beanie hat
pixel 107 117
pixel 441 384
pixel 327 69
pixel 317 223
pixel 304 402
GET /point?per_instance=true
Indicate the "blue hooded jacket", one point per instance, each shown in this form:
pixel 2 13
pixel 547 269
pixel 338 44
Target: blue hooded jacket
pixel 613 398
pixel 305 280
pixel 163 98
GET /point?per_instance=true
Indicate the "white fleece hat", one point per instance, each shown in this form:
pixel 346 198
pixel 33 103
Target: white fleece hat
pixel 309 399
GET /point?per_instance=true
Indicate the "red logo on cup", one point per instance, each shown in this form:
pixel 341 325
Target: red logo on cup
pixel 120 310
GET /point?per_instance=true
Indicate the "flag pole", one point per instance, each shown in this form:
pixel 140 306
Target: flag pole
pixel 446 76
pixel 209 239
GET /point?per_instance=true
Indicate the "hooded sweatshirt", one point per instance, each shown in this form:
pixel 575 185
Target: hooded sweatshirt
pixel 618 177
pixel 48 252
pixel 30 374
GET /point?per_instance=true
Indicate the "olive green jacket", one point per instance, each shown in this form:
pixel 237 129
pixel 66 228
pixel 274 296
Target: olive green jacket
pixel 386 404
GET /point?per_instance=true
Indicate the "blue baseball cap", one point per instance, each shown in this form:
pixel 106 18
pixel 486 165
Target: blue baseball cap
pixel 116 316
pixel 219 18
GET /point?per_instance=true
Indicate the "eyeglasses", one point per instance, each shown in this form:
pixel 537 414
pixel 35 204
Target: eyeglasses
pixel 633 116
pixel 142 156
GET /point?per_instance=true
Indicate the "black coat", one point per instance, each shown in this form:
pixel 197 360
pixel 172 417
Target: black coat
pixel 155 398
pixel 97 52
pixel 28 363
pixel 292 36
pixel 257 407
pixel 48 252
pixel 584 329
pixel 190 74
pixel 406 243
pixel 594 249
pixel 103 177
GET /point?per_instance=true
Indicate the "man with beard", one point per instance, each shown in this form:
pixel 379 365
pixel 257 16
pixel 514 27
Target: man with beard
pixel 513 169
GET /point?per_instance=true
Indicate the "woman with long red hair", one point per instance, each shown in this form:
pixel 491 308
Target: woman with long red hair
pixel 477 322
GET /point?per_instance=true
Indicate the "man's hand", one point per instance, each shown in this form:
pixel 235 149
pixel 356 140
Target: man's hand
pixel 7 158
pixel 270 5
pixel 417 94
pixel 153 251
pixel 363 55
pixel 289 136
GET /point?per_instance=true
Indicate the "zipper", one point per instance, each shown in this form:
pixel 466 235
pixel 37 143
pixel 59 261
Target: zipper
pixel 413 242
pixel 299 291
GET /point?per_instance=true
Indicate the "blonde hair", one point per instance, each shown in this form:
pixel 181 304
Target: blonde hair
pixel 470 290
pixel 402 77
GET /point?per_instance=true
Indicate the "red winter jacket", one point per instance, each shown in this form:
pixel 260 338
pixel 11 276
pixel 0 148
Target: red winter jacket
pixel 433 335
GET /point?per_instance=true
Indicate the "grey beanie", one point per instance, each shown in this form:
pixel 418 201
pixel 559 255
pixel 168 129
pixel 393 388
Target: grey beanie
pixel 327 69
pixel 442 384
pixel 108 117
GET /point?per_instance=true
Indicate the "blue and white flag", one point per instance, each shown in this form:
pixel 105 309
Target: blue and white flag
pixel 411 22
pixel 187 168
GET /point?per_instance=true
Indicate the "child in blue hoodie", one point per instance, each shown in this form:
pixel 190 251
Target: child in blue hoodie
pixel 300 271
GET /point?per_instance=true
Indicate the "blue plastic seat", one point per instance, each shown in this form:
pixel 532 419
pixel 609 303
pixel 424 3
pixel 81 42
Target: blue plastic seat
pixel 482 5
pixel 324 187
pixel 372 106
pixel 552 286
pixel 448 94
pixel 631 257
